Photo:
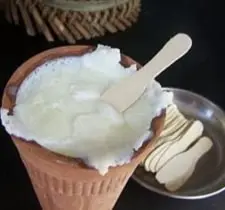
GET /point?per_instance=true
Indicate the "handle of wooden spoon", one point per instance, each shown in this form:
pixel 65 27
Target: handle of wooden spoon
pixel 174 49
pixel 126 92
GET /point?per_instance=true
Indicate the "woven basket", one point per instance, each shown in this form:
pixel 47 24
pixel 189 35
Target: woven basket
pixel 72 20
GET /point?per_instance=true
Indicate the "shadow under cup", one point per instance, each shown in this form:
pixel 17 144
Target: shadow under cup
pixel 67 183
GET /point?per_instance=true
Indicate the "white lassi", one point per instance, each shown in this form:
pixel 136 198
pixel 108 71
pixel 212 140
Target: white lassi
pixel 58 106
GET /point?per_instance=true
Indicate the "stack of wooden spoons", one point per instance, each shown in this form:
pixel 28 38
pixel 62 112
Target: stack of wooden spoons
pixel 178 150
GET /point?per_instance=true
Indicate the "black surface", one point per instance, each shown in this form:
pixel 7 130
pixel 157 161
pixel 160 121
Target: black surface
pixel 200 71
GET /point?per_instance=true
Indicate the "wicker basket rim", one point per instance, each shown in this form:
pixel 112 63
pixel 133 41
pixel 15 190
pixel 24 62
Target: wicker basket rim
pixel 84 6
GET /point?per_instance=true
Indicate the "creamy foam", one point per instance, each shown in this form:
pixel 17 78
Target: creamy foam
pixel 59 107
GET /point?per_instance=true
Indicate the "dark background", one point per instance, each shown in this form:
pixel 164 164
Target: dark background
pixel 200 71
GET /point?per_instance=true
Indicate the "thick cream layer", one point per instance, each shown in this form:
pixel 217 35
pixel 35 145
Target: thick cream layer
pixel 59 107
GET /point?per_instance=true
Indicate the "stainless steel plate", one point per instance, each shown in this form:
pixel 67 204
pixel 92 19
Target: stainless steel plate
pixel 209 176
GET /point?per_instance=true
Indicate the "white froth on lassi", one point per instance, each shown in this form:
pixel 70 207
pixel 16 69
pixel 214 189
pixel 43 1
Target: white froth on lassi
pixel 58 106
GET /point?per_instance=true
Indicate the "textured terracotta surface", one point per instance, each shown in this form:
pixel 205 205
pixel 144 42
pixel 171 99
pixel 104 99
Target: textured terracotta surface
pixel 63 183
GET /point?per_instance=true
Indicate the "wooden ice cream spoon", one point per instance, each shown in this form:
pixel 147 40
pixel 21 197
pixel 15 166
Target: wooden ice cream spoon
pixel 126 92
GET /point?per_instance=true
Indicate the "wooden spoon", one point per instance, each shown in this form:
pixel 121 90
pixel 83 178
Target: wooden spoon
pixel 126 92
pixel 190 136
pixel 180 165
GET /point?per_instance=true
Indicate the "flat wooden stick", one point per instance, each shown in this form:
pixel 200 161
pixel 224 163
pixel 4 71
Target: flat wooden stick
pixel 126 92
